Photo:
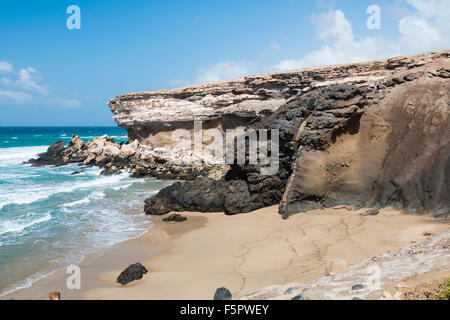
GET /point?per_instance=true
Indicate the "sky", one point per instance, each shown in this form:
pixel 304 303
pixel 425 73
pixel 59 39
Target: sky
pixel 51 75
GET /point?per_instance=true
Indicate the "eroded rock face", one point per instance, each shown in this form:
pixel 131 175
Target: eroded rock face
pixel 372 134
pixel 395 154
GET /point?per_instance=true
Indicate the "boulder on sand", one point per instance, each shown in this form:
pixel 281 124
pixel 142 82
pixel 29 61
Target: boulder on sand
pixel 222 294
pixel 133 272
pixel 175 218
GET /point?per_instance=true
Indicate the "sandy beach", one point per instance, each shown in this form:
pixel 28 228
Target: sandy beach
pixel 244 253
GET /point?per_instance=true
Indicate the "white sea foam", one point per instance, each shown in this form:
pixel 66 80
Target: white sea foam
pixel 96 224
pixel 20 224
pixel 125 186
pixel 85 200
pixel 14 156
pixel 27 194
pixel 77 203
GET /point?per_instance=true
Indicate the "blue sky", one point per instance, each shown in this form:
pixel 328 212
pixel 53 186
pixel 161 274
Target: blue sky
pixel 53 76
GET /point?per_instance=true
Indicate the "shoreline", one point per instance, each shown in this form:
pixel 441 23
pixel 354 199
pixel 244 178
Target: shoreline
pixel 250 251
pixel 59 272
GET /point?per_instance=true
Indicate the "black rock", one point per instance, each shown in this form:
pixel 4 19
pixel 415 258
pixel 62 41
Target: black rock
pixel 412 76
pixel 298 298
pixel 76 172
pixel 398 80
pixel 53 156
pixel 202 195
pixel 133 272
pixel 175 217
pixel 222 294
pixel 357 287
pixel 356 298
pixel 444 74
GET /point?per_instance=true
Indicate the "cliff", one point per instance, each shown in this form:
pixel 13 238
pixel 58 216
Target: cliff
pixel 370 134
pixel 149 116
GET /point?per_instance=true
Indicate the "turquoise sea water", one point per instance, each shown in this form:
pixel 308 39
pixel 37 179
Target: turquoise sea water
pixel 50 218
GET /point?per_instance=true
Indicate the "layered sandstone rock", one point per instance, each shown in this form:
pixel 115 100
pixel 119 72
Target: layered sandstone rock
pixel 151 117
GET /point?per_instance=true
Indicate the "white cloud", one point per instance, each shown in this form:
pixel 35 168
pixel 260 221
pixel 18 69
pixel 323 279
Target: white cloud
pixel 341 45
pixel 15 96
pixel 27 87
pixel 30 79
pixel 222 71
pixel 27 79
pixel 5 67
pixel 428 28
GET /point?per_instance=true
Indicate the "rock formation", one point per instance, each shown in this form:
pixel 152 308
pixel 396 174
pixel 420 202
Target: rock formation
pixel 370 134
pixel 141 160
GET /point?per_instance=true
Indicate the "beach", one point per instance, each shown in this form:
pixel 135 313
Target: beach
pixel 244 253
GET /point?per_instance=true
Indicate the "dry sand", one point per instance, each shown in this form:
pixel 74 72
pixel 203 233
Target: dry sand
pixel 244 253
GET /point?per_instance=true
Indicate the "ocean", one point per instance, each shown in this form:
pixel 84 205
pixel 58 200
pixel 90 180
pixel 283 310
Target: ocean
pixel 49 218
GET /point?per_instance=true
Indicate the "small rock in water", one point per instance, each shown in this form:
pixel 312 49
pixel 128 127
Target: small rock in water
pixel 336 267
pixel 357 287
pixel 373 212
pixel 175 217
pixel 298 298
pixel 133 272
pixel 76 172
pixel 222 294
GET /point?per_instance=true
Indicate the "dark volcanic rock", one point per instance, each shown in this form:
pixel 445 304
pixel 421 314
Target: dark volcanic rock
pixel 203 195
pixel 222 294
pixel 53 155
pixel 133 272
pixel 357 287
pixel 175 218
pixel 298 298
pixel 324 113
